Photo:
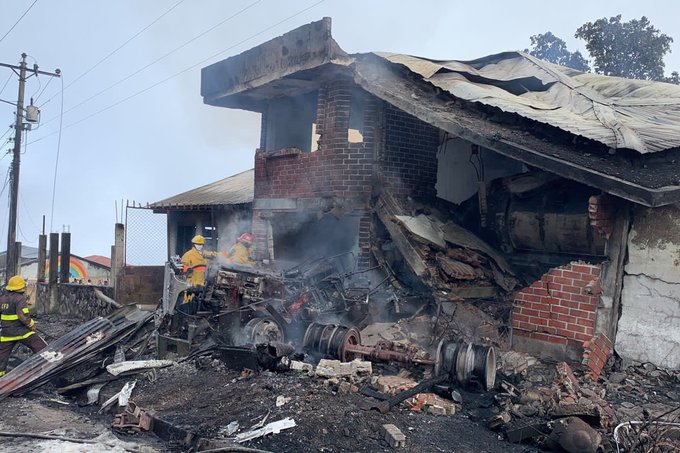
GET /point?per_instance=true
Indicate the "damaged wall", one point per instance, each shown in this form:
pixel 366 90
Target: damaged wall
pixel 463 165
pixel 338 175
pixel 650 314
pixel 408 161
pixel 556 314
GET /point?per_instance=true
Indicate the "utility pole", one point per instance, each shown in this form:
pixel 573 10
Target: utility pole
pixel 13 255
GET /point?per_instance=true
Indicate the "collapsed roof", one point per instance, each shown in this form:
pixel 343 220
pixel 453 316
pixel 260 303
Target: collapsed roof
pixel 619 135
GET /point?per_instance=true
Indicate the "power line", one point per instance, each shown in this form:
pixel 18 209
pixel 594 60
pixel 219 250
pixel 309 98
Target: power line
pixel 117 49
pixel 129 76
pixel 18 20
pixel 181 72
pixel 6 82
pixel 125 43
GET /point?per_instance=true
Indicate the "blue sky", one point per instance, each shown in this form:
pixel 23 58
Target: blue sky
pixel 132 132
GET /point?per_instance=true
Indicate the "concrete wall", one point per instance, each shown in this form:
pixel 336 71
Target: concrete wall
pixel 141 285
pixel 649 326
pixel 76 301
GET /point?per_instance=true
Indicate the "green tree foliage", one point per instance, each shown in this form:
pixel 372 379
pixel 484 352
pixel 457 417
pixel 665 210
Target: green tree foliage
pixel 547 46
pixel 632 49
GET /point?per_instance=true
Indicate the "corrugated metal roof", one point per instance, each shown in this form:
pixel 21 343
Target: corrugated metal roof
pixel 236 189
pixel 620 113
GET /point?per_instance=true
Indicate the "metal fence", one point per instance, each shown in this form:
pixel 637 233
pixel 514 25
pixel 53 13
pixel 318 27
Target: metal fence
pixel 145 237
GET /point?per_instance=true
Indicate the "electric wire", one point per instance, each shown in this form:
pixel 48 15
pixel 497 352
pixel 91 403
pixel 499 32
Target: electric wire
pixel 18 20
pixel 110 54
pixel 125 43
pixel 129 76
pixel 144 90
pixel 43 90
pixel 6 132
pixel 56 162
pixel 5 85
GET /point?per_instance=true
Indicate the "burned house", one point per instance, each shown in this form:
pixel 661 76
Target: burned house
pixel 505 177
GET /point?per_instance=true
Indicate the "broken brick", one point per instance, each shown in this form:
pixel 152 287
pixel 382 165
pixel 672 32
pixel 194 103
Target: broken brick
pixel 393 436
pixel 595 355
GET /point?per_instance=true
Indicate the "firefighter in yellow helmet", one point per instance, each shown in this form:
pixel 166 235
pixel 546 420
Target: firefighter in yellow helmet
pixel 17 326
pixel 240 252
pixel 195 261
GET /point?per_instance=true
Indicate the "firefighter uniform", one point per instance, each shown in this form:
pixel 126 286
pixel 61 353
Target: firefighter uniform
pixel 17 326
pixel 240 254
pixel 195 265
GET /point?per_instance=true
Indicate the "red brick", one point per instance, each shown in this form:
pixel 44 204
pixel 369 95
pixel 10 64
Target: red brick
pixel 572 289
pixel 529 312
pixel 584 322
pixel 587 307
pixel 559 309
pixel 565 318
pixel 576 328
pixel 578 313
pixel 569 304
pixel 539 321
pixel 563 281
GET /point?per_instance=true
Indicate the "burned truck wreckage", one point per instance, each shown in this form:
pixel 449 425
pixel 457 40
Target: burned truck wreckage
pixel 317 308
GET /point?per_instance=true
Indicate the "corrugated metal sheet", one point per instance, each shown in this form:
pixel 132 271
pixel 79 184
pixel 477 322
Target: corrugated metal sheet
pixel 236 189
pixel 620 113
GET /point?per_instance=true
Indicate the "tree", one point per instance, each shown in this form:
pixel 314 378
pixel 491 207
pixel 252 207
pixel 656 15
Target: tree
pixel 549 47
pixel 634 49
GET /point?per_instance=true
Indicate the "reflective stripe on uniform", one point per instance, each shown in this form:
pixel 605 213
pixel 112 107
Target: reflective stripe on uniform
pixel 200 267
pixel 2 373
pixel 9 317
pixel 25 310
pixel 16 338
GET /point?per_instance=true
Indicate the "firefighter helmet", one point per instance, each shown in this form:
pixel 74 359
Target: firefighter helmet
pixel 16 283
pixel 198 239
pixel 246 238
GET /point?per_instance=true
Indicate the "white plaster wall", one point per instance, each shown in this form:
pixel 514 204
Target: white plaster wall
pixel 649 326
pixel 456 176
pixel 654 244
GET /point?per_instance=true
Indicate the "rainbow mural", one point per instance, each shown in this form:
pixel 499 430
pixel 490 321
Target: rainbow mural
pixel 77 270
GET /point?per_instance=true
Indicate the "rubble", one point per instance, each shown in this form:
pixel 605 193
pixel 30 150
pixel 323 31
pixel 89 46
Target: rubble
pixel 271 428
pixel 394 436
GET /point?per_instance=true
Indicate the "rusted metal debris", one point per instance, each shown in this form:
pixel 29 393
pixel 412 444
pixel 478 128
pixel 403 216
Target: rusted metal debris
pixel 72 349
pixel 132 419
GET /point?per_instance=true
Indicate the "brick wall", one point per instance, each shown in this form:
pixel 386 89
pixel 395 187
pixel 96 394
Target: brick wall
pixel 409 160
pixel 337 169
pixel 560 307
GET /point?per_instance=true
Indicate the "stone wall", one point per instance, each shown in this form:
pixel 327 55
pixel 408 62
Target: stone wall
pixel 648 329
pixel 77 301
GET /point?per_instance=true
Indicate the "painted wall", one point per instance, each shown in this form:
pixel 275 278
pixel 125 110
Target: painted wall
pixel 649 326
pixel 80 271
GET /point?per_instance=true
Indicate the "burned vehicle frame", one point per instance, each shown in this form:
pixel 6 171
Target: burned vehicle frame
pixel 243 305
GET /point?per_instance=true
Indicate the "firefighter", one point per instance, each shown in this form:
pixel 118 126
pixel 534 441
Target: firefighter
pixel 195 262
pixel 17 325
pixel 240 252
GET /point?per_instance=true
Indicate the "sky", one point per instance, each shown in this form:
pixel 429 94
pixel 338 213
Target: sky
pixel 134 126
